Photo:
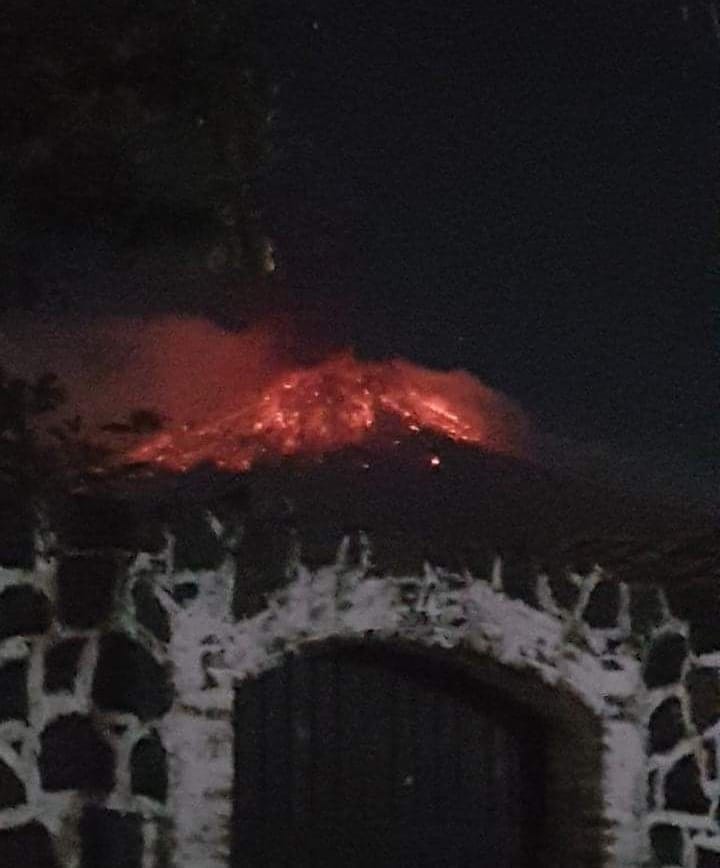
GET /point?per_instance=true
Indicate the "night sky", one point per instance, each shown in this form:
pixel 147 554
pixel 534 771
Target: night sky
pixel 525 190
pixel 528 191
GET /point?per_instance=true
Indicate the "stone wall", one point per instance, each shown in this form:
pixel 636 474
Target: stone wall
pixel 118 671
pixel 84 684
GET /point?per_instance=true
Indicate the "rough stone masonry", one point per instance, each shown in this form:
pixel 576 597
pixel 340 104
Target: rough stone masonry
pixel 120 654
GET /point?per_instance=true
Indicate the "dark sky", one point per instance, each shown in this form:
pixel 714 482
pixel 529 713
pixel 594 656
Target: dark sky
pixel 525 190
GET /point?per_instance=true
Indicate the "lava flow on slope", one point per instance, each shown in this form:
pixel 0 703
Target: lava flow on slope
pixel 341 402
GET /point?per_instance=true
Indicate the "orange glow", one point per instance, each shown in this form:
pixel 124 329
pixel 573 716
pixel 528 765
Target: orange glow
pixel 337 403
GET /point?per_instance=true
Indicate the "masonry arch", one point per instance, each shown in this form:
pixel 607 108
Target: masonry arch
pixel 363 752
pixel 541 665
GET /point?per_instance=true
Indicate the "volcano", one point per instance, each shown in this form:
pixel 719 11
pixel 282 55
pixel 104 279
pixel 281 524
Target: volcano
pixel 432 466
pixel 341 402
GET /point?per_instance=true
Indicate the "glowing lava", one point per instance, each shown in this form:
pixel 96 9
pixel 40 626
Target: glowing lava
pixel 338 403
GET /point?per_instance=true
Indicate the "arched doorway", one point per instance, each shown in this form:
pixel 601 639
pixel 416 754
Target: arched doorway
pixel 367 757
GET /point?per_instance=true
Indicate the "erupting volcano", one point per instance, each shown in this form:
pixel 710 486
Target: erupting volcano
pixel 338 403
pixel 426 462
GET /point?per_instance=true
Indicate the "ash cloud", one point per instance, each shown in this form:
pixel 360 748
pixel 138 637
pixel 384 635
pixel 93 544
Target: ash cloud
pixel 187 369
pixel 183 368
pixel 190 369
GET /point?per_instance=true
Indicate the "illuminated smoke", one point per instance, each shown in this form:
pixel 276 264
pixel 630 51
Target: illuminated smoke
pixel 237 398
pixel 183 368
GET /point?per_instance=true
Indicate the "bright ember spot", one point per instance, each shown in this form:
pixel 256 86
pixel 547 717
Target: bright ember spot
pixel 338 403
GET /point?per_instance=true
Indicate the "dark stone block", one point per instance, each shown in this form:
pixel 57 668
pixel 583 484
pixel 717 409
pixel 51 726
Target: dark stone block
pixel 23 612
pixel 519 580
pixel 394 553
pixel 698 603
pixel 18 552
pixel 97 522
pixel 316 551
pixel 703 686
pixel 13 691
pixel 683 790
pixel 476 559
pixel 667 844
pixel 693 601
pixel 437 552
pixel 17 531
pixel 646 609
pixel 665 659
pixel 184 591
pixel 196 546
pixel 263 562
pixel 603 607
pixel 12 789
pixel 272 538
pixel 704 636
pixel 110 839
pixel 73 756
pixel 86 589
pixel 148 768
pixel 666 726
pixel 61 663
pixel 28 846
pixel 706 858
pixel 564 591
pixel 149 612
pixel 128 678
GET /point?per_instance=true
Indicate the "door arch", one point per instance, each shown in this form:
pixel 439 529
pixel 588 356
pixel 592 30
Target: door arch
pixel 369 757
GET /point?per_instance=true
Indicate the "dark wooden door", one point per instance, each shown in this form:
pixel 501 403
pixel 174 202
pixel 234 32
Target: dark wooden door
pixel 364 759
